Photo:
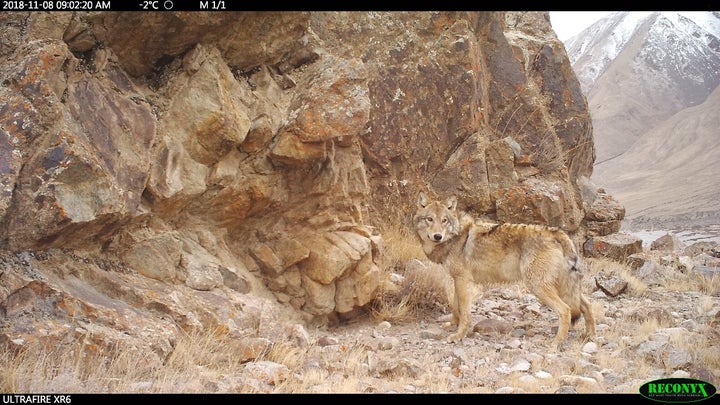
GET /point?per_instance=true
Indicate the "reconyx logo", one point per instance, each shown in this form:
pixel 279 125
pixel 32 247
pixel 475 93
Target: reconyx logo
pixel 677 390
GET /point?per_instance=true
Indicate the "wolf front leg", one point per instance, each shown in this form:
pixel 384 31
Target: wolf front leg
pixel 461 309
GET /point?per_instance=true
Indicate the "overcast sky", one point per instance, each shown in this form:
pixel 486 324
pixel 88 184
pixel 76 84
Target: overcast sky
pixel 568 23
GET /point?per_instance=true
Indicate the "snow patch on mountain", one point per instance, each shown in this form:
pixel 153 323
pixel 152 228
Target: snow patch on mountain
pixel 596 47
pixel 611 32
pixel 652 82
pixel 708 21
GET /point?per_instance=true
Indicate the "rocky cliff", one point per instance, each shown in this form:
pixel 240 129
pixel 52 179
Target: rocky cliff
pixel 170 171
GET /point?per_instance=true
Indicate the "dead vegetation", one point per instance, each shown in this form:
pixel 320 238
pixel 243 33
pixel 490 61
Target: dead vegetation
pixel 408 310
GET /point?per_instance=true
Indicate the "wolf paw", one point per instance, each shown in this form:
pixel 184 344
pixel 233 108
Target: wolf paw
pixel 560 346
pixel 455 338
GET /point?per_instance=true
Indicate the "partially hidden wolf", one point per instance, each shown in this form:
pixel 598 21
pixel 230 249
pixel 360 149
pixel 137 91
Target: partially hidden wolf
pixel 543 258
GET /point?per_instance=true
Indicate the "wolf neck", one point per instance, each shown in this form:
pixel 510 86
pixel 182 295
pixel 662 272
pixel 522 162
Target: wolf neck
pixel 438 252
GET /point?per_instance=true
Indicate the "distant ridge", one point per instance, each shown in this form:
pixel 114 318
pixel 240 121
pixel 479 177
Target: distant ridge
pixel 651 81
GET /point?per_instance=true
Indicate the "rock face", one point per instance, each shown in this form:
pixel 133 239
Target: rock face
pixel 232 155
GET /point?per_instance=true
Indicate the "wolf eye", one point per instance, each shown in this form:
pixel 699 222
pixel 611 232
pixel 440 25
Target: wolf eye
pixel 429 219
pixel 444 220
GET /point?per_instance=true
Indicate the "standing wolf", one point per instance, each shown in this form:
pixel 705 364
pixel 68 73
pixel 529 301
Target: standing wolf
pixel 544 258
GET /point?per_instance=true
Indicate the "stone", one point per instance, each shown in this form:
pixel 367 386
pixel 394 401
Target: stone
pixel 487 326
pixel 617 246
pixel 156 258
pixel 539 201
pixel 666 242
pixel 604 215
pixel 610 284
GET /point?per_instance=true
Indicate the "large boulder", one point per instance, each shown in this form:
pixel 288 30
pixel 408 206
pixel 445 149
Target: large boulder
pixel 617 246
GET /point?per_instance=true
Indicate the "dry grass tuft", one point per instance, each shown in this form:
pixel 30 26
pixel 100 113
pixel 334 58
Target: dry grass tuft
pixel 286 353
pixel 636 287
pixel 71 368
pixel 413 288
pixel 81 368
pixel 708 284
pixel 400 245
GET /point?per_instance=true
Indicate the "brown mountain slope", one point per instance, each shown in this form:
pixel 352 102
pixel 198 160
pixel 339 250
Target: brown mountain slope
pixel 620 102
pixel 669 177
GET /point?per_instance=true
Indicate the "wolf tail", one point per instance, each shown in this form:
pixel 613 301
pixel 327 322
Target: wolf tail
pixel 569 249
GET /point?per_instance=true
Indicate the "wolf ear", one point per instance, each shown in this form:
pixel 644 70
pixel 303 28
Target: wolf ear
pixel 422 200
pixel 451 203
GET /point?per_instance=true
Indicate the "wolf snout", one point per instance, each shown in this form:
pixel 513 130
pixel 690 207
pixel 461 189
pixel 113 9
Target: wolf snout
pixel 437 237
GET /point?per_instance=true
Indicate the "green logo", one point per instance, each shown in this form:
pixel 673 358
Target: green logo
pixel 677 390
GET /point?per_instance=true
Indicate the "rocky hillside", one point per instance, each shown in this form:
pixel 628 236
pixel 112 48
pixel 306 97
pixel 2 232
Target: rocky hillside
pixel 667 179
pixel 650 81
pixel 166 172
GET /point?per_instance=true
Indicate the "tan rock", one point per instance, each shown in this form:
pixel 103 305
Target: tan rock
pixel 326 262
pixel 666 242
pixel 541 202
pixel 319 297
pixel 156 258
pixel 617 246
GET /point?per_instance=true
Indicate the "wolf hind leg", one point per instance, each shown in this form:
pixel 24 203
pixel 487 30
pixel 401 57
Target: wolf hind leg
pixel 550 297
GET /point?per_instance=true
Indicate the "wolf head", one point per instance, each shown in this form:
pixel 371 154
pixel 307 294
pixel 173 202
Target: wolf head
pixel 436 222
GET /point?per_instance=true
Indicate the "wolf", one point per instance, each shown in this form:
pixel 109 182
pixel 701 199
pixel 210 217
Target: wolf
pixel 474 251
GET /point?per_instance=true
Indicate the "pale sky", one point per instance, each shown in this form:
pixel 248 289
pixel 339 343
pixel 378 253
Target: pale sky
pixel 568 23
